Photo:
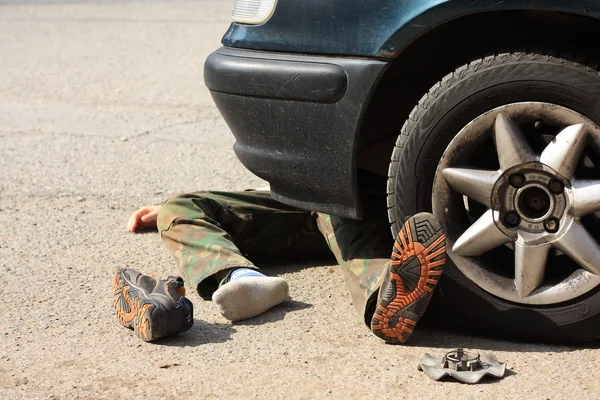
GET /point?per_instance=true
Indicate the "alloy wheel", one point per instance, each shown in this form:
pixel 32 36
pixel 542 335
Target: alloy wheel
pixel 530 209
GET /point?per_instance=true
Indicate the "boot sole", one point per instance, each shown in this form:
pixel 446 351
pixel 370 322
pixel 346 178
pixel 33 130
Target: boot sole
pixel 417 263
pixel 133 314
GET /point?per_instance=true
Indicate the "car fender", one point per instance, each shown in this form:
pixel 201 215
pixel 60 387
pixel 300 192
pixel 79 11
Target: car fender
pixel 433 13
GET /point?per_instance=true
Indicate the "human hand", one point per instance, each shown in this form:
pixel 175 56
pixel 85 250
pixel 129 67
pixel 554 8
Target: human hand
pixel 144 217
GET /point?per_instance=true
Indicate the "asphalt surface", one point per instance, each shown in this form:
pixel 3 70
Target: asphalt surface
pixel 102 110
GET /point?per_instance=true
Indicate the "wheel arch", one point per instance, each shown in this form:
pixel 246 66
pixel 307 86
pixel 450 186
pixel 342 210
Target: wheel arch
pixel 448 45
pixel 434 13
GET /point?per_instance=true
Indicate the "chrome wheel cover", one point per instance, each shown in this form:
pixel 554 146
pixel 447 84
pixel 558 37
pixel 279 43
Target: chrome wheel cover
pixel 531 209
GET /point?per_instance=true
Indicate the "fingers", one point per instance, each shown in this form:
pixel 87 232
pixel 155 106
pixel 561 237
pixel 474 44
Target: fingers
pixel 144 217
pixel 149 217
pixel 152 215
pixel 136 218
pixel 132 223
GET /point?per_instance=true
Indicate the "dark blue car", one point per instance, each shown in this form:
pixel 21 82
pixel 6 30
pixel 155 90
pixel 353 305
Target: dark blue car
pixel 483 112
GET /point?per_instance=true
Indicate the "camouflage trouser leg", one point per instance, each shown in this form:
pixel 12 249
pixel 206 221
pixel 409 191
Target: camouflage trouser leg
pixel 209 233
pixel 362 248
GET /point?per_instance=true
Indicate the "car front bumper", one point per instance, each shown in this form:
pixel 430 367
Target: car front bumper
pixel 296 120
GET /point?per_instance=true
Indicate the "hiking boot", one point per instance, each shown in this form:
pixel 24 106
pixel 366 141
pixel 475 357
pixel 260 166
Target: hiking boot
pixel 152 308
pixel 417 263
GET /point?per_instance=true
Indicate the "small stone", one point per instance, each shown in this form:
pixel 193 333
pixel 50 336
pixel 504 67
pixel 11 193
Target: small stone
pixel 124 139
pixel 80 198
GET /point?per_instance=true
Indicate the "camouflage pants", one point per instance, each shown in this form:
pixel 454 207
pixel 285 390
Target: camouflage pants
pixel 209 233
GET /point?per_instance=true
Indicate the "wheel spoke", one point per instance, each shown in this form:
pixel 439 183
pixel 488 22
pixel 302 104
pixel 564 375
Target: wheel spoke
pixel 563 153
pixel 482 236
pixel 530 265
pixel 473 183
pixel 586 196
pixel 511 145
pixel 581 247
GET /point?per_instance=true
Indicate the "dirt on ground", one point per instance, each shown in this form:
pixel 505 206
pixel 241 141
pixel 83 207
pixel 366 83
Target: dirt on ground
pixel 102 110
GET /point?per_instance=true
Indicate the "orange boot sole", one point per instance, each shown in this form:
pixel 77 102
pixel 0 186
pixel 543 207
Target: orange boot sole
pixel 417 264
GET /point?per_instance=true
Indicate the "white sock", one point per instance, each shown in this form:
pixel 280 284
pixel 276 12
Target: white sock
pixel 249 293
pixel 242 272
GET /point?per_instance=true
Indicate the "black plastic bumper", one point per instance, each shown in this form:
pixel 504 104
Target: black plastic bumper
pixel 296 121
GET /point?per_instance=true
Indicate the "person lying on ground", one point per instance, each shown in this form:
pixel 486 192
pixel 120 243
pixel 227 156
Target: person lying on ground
pixel 213 236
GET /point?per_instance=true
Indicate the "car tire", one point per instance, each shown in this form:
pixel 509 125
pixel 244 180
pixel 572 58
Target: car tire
pixel 460 97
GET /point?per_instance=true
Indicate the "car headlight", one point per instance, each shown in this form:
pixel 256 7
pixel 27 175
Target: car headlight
pixel 253 12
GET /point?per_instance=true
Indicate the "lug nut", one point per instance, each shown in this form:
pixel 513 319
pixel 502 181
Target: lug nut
pixel 551 225
pixel 556 186
pixel 516 180
pixel 512 219
pixel 538 124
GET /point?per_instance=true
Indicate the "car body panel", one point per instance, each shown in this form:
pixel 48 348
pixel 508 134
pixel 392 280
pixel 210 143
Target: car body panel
pixel 367 28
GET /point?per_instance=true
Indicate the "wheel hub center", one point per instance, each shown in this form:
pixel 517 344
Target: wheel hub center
pixel 532 199
pixel 533 202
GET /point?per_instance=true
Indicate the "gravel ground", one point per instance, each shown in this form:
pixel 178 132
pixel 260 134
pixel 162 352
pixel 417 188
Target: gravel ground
pixel 103 109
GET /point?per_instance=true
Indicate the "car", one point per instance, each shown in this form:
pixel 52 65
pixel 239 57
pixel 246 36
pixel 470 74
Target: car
pixel 485 113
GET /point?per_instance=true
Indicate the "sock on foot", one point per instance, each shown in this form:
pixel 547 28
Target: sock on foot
pixel 249 293
pixel 243 272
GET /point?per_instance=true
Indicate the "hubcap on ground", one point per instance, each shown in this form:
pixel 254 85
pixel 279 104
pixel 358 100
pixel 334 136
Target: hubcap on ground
pixel 531 206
